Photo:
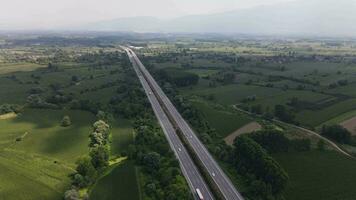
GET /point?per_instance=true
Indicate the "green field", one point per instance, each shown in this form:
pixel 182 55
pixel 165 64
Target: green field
pixel 234 93
pixel 119 184
pixel 317 117
pixel 323 175
pixel 122 136
pixel 17 67
pixel 47 152
pixel 38 166
pixel 224 122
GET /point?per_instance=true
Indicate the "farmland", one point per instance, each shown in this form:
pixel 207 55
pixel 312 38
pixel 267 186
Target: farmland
pixel 38 154
pixel 51 96
pixel 308 84
pixel 312 173
pixel 112 187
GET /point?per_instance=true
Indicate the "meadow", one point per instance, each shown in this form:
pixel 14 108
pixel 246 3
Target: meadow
pixel 39 164
pixel 318 175
pixel 112 186
pixel 224 122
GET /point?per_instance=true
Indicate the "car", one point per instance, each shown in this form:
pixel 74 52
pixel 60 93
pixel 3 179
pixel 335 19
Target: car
pixel 179 149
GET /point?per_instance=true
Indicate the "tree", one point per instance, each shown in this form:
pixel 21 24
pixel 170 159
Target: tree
pixel 71 194
pixel 251 158
pixel 96 139
pixel 283 114
pixel 99 157
pixel 337 133
pixel 66 121
pixel 151 161
pixel 86 171
pixel 271 139
pixel 101 127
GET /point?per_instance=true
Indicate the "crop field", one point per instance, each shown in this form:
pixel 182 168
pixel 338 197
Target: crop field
pixel 29 176
pixel 39 164
pixel 316 118
pixel 18 67
pixel 45 136
pixel 315 90
pixel 223 121
pixel 112 186
pixel 310 81
pixel 122 136
pixel 319 175
pixel 36 153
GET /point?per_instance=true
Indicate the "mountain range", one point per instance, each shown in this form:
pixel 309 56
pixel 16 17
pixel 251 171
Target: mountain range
pixel 303 17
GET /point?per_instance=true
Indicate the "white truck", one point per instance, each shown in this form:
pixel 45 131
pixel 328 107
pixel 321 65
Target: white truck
pixel 200 195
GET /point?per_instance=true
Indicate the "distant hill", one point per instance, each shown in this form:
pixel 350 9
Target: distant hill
pixel 307 17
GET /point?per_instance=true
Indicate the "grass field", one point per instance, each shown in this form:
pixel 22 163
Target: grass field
pixel 47 152
pixel 119 184
pixel 232 94
pixel 37 167
pixel 315 118
pixel 323 175
pixel 17 67
pixel 122 136
pixel 45 136
pixel 224 122
pixel 27 176
pixel 341 118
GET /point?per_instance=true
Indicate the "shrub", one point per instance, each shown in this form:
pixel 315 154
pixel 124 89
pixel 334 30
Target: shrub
pixel 66 121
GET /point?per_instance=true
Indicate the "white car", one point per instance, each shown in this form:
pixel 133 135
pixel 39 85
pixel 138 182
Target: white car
pixel 179 149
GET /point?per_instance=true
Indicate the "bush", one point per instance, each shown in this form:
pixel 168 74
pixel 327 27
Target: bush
pixel 66 121
pixel 7 108
pixel 71 194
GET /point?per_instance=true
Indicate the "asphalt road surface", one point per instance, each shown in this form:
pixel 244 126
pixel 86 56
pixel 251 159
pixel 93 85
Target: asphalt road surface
pixel 219 177
pixel 190 171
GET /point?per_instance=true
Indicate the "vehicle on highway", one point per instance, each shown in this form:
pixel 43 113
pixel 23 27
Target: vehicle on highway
pixel 199 194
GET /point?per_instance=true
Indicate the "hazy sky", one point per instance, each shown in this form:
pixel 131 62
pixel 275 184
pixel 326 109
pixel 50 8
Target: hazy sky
pixel 33 14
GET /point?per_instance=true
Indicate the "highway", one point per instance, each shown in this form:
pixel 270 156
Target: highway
pixel 190 171
pixel 224 184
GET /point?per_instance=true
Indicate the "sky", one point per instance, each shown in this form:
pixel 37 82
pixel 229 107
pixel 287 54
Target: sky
pixel 49 14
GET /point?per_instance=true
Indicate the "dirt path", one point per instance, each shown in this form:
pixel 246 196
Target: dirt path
pixel 8 115
pixel 248 128
pixel 350 125
pixel 336 147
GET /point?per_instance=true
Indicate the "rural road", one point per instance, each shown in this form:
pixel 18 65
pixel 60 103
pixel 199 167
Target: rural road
pixel 190 171
pixel 223 183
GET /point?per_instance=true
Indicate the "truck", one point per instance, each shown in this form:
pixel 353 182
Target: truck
pixel 200 195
